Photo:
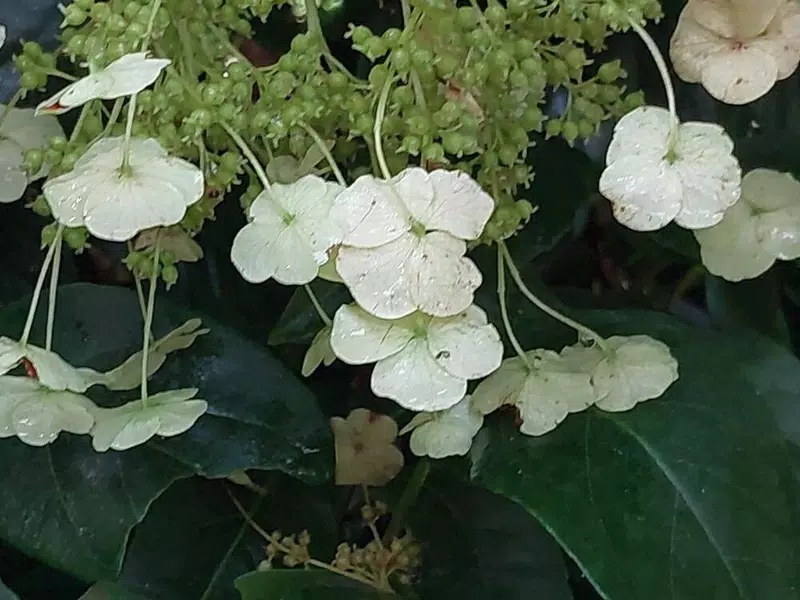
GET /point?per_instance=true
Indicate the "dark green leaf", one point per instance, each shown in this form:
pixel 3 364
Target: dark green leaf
pixel 687 496
pixel 110 591
pixel 478 545
pixel 73 508
pixel 7 594
pixel 194 542
pixel 300 322
pixel 754 304
pixel 290 584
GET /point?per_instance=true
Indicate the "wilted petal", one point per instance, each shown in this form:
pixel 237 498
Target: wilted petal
pixel 739 74
pixel 691 46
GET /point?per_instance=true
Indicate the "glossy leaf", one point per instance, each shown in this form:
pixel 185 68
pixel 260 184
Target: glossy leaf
pixel 689 494
pixel 110 591
pixel 194 542
pixel 73 508
pixel 293 584
pixel 478 545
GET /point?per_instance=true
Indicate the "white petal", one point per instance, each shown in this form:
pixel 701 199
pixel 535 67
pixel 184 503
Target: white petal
pixel 739 74
pixel 443 281
pixel 359 338
pixel 731 248
pixel 88 88
pixel 549 395
pixel 2 35
pixel 370 213
pixel 379 278
pixel 415 381
pixel 27 131
pixel 710 174
pixel 716 15
pixel 642 132
pixel 779 232
pixel 310 202
pixel 14 390
pixel 318 352
pixel 42 417
pixel 781 40
pixel 13 180
pixel 57 374
pixel 768 190
pixel 464 345
pixel 263 250
pixel 66 195
pixel 501 387
pixel 11 353
pixel 641 369
pixel 645 194
pixel 448 433
pixel 448 201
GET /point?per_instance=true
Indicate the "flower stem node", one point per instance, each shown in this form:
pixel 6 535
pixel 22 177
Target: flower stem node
pixel 764 226
pixel 37 414
pixel 125 76
pixel 660 171
pixel 289 234
pixel 423 362
pixel 404 242
pixel 444 433
pixel 166 414
pixel 115 201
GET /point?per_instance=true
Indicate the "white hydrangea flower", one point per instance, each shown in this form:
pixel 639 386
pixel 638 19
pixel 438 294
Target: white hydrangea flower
pixel 115 203
pixel 289 234
pixel 737 50
pixel 658 171
pixel 51 370
pixel 22 131
pixel 631 370
pixel 764 226
pixel 444 433
pixel 319 352
pixel 365 450
pixel 544 395
pixel 403 248
pixel 125 76
pixel 423 363
pixel 37 415
pixel 167 414
pixel 128 375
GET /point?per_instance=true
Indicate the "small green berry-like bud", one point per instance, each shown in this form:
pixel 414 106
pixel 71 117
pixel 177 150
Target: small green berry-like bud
pixel 74 15
pixel 610 71
pixel 169 273
pixel 32 161
pixel 76 238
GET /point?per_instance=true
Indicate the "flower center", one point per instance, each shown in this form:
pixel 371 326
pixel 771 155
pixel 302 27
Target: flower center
pixel 417 228
pixel 671 156
pixel 287 218
pixel 125 170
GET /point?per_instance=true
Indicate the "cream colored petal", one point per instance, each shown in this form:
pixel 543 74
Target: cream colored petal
pixel 13 391
pixel 710 174
pixel 464 345
pixel 641 369
pixel 414 380
pixel 365 453
pixel 57 374
pixel 360 338
pixel 13 182
pixel 543 401
pixel 371 428
pixel 88 88
pixel 447 433
pixel 716 15
pixel 443 281
pixel 42 417
pixel 769 190
pixel 131 74
pixel 11 353
pixel 731 249
pixel 739 75
pixel 370 213
pixel 643 132
pixel 690 47
pixel 381 278
pixel 30 132
pixel 781 40
pixel 501 387
pixel 645 195
pixel 779 232
pixel 319 352
pixel 449 201
pixel 751 17
pixel 66 195
pixel 578 393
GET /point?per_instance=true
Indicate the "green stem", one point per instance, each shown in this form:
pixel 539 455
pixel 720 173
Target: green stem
pixel 314 28
pixel 249 154
pixel 501 295
pixel 413 488
pixel 51 297
pixel 662 69
pixel 380 113
pixel 148 321
pixel 76 131
pixel 61 74
pixel 11 104
pixel 582 330
pixel 325 152
pixel 37 292
pixel 112 118
pixel 317 306
pixel 126 144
